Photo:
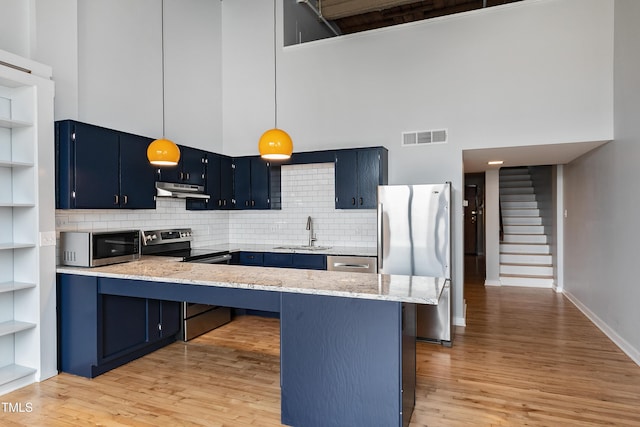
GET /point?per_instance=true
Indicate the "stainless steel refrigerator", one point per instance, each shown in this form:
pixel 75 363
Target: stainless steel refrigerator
pixel 414 238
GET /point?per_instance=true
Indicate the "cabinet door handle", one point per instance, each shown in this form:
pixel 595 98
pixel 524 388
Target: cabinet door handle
pixel 181 176
pixel 253 203
pixel 224 202
pixel 246 203
pixel 219 202
pixel 116 199
pixel 353 201
pixel 125 199
pixel 188 176
pixel 360 201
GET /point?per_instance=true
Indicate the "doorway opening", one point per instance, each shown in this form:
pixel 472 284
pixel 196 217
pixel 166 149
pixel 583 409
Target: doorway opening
pixel 474 228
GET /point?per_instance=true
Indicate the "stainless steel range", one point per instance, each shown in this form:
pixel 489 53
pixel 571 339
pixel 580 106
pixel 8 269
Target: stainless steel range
pixel 196 318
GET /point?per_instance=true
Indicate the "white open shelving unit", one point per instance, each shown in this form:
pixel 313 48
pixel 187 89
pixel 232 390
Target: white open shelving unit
pixel 21 95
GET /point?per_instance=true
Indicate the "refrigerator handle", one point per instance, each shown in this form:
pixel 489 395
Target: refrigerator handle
pixel 380 241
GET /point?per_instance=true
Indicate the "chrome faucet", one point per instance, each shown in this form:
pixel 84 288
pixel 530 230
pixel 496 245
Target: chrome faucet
pixel 312 237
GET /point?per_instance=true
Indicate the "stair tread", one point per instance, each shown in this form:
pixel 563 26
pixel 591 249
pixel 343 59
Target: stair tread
pixel 525 276
pixel 514 264
pixel 513 243
pixel 523 254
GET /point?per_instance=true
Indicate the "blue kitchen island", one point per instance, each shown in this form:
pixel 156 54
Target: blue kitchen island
pixel 347 340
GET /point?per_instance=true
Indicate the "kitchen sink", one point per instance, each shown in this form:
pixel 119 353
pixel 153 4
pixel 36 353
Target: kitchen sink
pixel 303 247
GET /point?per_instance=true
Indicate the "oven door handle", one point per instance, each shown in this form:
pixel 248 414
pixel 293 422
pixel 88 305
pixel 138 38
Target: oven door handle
pixel 213 260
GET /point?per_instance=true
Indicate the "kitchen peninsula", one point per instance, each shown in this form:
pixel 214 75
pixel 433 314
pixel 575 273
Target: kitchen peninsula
pixel 347 352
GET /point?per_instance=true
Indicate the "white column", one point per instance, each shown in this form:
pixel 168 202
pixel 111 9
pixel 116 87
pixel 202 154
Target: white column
pixel 492 227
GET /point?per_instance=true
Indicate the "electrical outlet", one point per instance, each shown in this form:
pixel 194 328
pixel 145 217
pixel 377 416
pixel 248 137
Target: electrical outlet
pixel 48 238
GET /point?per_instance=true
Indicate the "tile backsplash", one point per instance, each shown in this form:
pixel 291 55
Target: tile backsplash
pixel 307 190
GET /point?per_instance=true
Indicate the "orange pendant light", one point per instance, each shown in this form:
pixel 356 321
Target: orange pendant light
pixel 163 152
pixel 275 144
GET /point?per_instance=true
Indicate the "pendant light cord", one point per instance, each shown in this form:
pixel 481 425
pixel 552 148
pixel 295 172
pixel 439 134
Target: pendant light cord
pixel 162 57
pixel 275 69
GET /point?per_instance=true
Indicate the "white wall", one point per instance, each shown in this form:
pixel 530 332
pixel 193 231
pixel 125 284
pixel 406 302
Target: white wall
pixel 56 44
pixel 107 62
pixel 601 229
pixel 536 72
pixel 120 65
pixel 247 73
pixel 193 71
pixel 15 26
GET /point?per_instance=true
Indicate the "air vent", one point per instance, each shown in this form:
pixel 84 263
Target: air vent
pixel 437 136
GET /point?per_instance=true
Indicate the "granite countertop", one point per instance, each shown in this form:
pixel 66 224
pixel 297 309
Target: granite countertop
pixel 286 248
pixel 412 289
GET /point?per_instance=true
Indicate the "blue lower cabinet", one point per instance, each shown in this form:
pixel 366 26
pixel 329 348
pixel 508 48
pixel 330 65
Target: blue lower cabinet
pixel 310 261
pixel 170 319
pixel 276 259
pixel 250 258
pixel 98 332
pixel 77 324
pixel 123 325
pixel 345 361
pixel 282 260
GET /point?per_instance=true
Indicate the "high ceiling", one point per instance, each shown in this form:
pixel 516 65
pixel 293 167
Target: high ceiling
pixel 352 16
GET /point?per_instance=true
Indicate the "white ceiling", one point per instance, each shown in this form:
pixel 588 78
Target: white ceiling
pixel 533 155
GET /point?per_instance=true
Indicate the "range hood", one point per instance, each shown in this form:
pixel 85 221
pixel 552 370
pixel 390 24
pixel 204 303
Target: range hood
pixel 181 191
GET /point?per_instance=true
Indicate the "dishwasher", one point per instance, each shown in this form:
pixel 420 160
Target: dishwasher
pixel 354 264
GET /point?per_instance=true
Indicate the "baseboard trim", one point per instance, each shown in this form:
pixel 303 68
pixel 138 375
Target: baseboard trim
pixel 492 283
pixel 627 348
pixel 459 321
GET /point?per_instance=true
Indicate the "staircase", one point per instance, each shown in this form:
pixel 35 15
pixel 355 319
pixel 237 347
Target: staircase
pixel 525 256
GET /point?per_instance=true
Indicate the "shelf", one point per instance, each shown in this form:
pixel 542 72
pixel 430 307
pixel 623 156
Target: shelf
pixel 9 246
pixel 12 164
pixel 13 326
pixel 16 205
pixel 11 124
pixel 15 286
pixel 14 372
pixel 26 105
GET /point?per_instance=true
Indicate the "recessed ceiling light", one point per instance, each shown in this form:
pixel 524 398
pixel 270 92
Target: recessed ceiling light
pixel 495 162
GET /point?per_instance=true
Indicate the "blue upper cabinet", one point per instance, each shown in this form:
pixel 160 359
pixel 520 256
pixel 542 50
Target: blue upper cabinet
pixel 226 182
pixel 99 168
pixel 242 182
pixel 358 172
pixel 218 184
pixel 256 183
pixel 137 175
pixel 190 169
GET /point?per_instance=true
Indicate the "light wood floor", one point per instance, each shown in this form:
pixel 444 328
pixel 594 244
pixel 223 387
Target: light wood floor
pixel 528 357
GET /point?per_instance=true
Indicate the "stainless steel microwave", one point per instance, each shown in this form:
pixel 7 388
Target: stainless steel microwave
pixel 96 248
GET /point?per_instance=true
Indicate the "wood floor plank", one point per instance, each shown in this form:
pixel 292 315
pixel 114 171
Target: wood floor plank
pixel 528 357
